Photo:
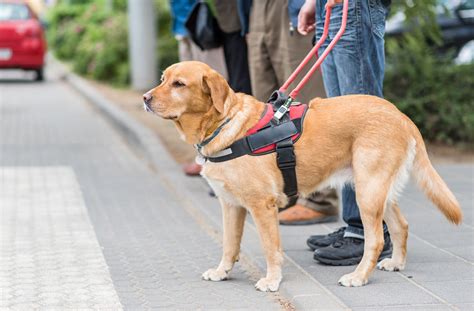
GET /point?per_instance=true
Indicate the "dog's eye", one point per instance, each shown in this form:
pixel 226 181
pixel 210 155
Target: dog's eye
pixel 178 83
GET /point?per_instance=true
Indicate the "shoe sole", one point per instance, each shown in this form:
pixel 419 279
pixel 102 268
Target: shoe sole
pixel 310 222
pixel 350 261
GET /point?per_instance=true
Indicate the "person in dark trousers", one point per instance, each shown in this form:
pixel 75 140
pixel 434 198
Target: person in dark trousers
pixel 354 66
pixel 235 45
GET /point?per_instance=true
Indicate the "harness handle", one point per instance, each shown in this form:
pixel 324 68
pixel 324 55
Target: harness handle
pixel 314 51
pixel 333 42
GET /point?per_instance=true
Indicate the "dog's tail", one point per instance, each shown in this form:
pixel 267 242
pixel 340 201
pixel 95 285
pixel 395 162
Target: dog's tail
pixel 432 184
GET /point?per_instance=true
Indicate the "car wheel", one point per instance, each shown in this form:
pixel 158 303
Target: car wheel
pixel 39 74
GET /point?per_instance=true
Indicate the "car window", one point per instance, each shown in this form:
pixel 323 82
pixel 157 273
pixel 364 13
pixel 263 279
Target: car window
pixel 13 11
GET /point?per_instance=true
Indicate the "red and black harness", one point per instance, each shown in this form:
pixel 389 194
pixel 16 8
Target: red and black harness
pixel 268 136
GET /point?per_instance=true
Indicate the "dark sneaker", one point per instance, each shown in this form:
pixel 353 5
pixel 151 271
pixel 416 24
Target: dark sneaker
pixel 348 252
pixel 318 241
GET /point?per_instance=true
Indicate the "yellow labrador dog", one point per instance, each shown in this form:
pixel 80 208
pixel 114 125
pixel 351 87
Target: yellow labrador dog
pixel 358 139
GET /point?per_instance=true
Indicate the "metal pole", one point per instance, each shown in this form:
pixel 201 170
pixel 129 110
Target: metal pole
pixel 142 44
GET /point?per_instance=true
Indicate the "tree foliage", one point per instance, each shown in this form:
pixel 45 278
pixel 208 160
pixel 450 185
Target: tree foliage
pixel 426 85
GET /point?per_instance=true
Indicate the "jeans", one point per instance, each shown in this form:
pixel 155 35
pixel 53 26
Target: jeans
pixel 354 66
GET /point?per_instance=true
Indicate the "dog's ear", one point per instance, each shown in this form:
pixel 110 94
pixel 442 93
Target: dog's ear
pixel 216 86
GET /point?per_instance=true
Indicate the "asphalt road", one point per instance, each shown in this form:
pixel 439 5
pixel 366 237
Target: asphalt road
pixel 87 222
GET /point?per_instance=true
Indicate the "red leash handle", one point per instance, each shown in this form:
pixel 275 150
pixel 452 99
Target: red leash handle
pixel 314 51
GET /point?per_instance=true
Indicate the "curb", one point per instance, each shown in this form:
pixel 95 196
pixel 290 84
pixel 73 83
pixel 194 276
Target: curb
pixel 297 283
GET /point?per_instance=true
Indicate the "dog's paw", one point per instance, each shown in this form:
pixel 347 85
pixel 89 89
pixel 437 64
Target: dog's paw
pixel 268 284
pixel 388 264
pixel 215 275
pixel 353 280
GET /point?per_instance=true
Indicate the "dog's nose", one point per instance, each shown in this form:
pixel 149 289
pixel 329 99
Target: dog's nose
pixel 147 97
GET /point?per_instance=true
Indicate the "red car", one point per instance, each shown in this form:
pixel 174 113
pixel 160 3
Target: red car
pixel 22 42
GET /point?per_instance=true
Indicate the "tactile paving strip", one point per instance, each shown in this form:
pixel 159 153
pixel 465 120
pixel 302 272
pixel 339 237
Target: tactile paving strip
pixel 49 253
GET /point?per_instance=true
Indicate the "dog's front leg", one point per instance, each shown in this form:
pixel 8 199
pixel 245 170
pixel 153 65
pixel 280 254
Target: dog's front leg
pixel 266 219
pixel 233 221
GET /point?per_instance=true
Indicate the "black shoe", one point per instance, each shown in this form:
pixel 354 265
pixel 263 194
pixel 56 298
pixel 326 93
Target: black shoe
pixel 348 252
pixel 319 241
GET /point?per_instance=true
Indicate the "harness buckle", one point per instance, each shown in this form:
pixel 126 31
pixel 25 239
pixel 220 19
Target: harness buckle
pixel 283 109
pixel 286 161
pixel 285 154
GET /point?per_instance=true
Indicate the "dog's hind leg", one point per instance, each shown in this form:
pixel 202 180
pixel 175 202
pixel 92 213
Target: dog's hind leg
pixel 373 173
pixel 233 221
pixel 265 215
pixel 398 228
pixel 371 211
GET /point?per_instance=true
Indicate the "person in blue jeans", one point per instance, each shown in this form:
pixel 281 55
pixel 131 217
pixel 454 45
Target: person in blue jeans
pixel 354 66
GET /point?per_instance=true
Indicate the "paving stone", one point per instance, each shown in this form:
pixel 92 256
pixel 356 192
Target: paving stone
pixel 25 306
pixel 434 271
pixel 424 307
pixel 465 306
pixel 460 291
pixel 464 251
pixel 383 294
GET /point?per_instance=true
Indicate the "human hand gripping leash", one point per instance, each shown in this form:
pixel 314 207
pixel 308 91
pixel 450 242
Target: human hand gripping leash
pixel 314 51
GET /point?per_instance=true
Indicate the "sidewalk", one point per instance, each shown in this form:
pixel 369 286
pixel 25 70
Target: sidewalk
pixel 151 232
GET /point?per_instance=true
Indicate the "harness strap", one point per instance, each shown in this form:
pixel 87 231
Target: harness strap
pixel 279 132
pixel 213 135
pixel 248 144
pixel 286 161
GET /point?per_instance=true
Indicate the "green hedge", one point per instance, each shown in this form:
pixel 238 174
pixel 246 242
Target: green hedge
pixel 435 93
pixel 103 50
pixel 92 39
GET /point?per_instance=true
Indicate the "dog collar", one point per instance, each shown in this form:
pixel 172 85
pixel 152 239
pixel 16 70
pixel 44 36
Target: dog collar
pixel 213 135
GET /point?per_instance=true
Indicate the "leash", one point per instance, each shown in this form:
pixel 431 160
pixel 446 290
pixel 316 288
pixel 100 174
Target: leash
pixel 283 109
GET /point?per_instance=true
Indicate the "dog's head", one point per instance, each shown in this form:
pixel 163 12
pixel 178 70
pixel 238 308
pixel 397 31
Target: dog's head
pixel 187 88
